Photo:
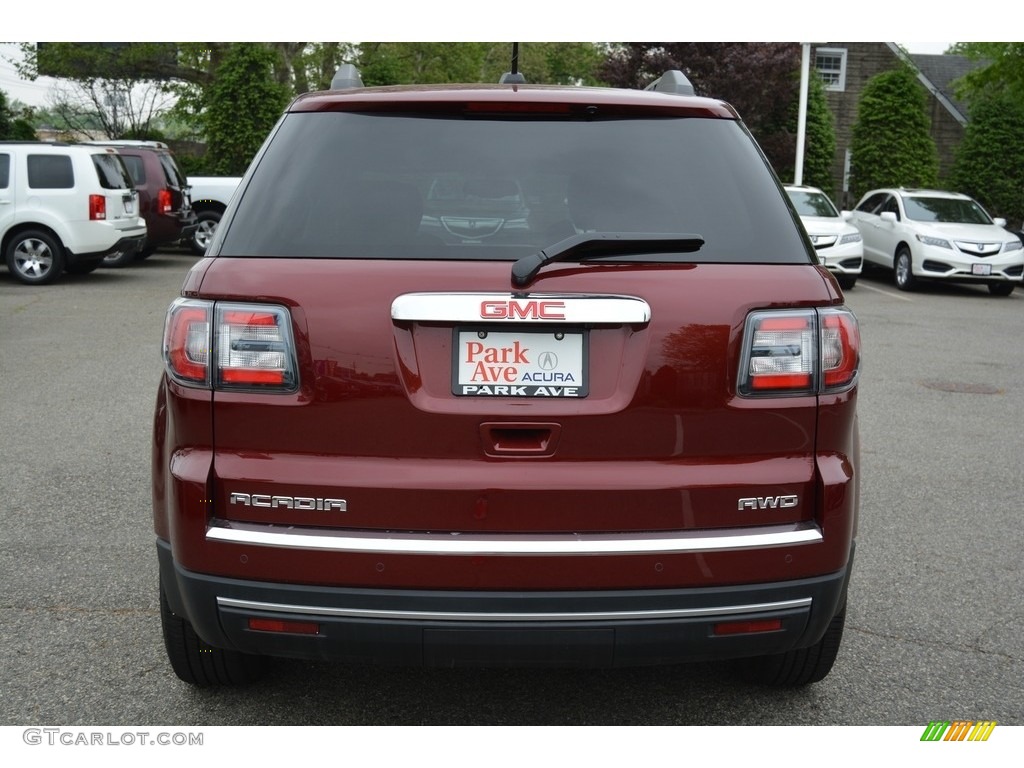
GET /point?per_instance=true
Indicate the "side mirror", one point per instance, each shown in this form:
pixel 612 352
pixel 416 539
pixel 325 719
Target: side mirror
pixel 888 216
pixel 1000 222
pixel 846 215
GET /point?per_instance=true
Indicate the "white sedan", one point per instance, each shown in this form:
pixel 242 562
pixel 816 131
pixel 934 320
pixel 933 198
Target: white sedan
pixel 935 235
pixel 837 242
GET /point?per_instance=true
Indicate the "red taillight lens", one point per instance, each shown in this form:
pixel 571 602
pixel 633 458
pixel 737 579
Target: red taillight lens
pixel 97 208
pixel 780 352
pixel 799 352
pixel 164 203
pixel 840 348
pixel 187 341
pixel 254 347
pixel 230 346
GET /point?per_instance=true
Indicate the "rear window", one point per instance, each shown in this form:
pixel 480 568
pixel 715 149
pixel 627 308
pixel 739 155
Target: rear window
pixel 347 185
pixel 112 172
pixel 5 171
pixel 136 168
pixel 174 175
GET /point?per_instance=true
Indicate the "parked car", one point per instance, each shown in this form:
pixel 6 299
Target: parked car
pixel 210 198
pixel 635 443
pixel 837 242
pixel 926 234
pixel 64 207
pixel 164 200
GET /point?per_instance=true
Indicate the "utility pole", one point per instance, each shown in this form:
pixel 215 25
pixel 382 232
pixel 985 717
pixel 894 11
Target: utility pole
pixel 801 124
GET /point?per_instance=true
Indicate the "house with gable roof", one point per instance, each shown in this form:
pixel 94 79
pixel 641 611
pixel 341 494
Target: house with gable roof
pixel 846 69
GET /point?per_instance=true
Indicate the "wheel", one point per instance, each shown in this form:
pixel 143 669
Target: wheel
pixel 802 666
pixel 120 259
pixel 1000 289
pixel 200 664
pixel 201 238
pixel 904 272
pixel 83 267
pixel 846 282
pixel 145 253
pixel 35 257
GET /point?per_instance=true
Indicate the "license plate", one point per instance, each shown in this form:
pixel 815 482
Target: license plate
pixel 981 269
pixel 129 206
pixel 520 364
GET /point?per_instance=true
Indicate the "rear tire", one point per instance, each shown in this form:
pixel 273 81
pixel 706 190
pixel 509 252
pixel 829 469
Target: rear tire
pixel 904 270
pixel 846 282
pixel 35 257
pixel 200 664
pixel 200 240
pixel 802 666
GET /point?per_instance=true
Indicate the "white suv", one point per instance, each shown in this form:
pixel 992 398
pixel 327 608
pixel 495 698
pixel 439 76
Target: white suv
pixel 930 234
pixel 63 207
pixel 837 242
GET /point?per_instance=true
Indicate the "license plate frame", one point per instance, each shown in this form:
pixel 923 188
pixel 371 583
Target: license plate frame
pixel 981 270
pixel 551 363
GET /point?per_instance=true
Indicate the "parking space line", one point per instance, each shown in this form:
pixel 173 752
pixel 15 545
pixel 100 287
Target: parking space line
pixel 899 296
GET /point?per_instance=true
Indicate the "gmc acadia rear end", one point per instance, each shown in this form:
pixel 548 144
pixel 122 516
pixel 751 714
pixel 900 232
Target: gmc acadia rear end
pixel 507 375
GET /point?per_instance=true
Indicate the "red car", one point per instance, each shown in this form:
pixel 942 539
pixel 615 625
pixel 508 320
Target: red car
pixel 617 428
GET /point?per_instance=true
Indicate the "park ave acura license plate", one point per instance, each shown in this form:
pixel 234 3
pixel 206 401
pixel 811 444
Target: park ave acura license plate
pixel 520 363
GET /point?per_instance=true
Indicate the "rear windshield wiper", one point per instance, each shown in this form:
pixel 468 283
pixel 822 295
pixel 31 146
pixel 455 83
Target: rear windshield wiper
pixel 590 245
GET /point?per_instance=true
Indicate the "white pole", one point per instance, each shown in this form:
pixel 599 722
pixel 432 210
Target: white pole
pixel 801 124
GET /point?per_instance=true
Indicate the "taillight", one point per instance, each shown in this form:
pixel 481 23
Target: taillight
pixel 230 346
pixel 164 203
pixel 97 207
pixel 797 352
pixel 187 341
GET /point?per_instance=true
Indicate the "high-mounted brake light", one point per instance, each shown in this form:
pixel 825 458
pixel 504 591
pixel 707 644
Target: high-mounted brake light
pixel 796 352
pixel 230 346
pixel 97 208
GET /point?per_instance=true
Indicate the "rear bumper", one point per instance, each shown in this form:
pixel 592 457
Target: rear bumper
pixel 129 242
pixel 606 628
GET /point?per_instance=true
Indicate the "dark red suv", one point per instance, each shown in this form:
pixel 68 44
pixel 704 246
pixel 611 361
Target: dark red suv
pixel 164 200
pixel 507 375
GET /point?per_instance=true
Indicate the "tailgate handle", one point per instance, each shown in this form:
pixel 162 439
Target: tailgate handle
pixel 519 438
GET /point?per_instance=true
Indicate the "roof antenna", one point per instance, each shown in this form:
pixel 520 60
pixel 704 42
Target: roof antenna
pixel 515 77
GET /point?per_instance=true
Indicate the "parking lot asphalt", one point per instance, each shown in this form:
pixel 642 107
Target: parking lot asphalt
pixel 936 621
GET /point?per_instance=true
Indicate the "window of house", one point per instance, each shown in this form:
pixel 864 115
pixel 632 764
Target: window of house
pixel 831 66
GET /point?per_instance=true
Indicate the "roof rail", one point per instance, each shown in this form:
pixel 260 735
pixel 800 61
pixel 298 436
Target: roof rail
pixel 347 76
pixel 673 81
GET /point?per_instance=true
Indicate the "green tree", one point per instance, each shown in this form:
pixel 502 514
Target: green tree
pixel 14 126
pixel 759 79
pixel 891 143
pixel 243 103
pixel 400 63
pixel 819 139
pixel 989 162
pixel 1003 70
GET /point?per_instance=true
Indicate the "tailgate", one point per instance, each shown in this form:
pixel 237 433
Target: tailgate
pixel 432 399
